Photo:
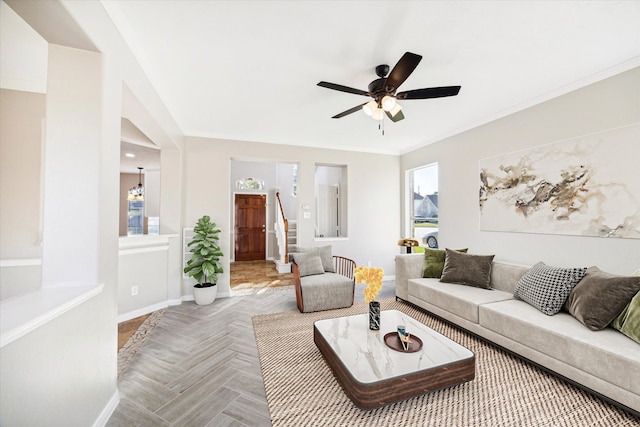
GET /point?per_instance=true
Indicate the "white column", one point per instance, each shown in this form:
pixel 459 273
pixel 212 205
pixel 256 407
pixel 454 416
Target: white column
pixel 70 251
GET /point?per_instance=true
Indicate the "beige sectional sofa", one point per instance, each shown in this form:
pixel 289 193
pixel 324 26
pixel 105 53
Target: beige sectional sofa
pixel 606 362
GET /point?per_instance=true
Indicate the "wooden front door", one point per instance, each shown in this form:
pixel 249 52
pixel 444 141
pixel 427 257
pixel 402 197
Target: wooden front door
pixel 250 227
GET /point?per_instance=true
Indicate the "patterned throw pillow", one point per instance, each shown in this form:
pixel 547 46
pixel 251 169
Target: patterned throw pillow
pixel 547 288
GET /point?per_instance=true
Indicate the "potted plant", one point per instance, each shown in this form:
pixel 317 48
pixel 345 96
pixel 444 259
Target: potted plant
pixel 204 264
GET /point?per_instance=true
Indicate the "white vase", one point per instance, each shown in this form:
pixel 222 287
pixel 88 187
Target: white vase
pixel 205 296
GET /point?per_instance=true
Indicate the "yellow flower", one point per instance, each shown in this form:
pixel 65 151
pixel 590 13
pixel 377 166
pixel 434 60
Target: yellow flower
pixel 373 278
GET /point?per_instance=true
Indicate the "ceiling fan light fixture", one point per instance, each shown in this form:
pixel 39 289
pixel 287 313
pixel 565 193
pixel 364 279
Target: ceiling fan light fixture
pixel 377 114
pixel 370 107
pixel 395 110
pixel 388 102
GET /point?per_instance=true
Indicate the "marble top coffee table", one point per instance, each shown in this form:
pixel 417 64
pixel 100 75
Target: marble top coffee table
pixel 372 374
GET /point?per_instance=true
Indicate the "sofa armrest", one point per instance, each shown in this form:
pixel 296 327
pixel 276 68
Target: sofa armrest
pixel 408 266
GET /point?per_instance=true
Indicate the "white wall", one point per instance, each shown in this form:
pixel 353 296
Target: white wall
pixel 374 221
pixel 21 136
pixel 605 105
pixel 64 371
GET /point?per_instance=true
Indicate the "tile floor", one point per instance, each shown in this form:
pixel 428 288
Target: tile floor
pixel 199 366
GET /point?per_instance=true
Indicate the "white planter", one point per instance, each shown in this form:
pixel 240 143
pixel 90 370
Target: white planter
pixel 205 296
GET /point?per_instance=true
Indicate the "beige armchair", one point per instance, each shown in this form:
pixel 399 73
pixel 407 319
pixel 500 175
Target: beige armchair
pixel 320 289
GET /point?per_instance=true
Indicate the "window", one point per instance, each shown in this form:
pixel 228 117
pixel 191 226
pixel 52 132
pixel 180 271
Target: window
pixel 250 184
pixel 423 204
pixel 331 201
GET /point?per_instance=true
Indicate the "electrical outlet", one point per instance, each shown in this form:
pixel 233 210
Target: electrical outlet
pixel 134 291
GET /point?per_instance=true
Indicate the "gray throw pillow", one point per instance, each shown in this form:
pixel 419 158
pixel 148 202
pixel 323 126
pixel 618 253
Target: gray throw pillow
pixel 309 263
pixel 325 253
pixel 327 258
pixel 467 269
pixel 598 299
pixel 547 288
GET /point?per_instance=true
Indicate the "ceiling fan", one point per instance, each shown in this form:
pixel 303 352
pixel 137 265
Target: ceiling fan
pixel 383 90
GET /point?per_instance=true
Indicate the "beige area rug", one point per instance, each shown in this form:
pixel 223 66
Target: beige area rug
pixel 131 347
pixel 301 390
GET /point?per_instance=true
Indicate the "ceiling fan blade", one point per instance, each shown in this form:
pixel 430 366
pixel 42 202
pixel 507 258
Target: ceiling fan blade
pixel 343 88
pixel 401 71
pixel 399 116
pixel 431 92
pixel 349 111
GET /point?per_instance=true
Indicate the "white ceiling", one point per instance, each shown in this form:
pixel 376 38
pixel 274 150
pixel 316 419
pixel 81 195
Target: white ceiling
pixel 247 70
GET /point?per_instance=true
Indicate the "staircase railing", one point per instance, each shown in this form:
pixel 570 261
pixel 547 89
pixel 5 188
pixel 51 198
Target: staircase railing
pixel 282 232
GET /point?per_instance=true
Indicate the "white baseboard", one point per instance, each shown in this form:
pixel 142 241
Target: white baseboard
pixel 108 410
pixel 142 311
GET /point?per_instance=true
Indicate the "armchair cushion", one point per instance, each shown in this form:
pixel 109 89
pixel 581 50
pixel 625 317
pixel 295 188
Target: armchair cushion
pixel 309 263
pixel 327 292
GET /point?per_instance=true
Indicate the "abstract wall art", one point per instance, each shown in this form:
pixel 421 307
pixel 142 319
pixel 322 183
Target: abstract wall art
pixel 586 186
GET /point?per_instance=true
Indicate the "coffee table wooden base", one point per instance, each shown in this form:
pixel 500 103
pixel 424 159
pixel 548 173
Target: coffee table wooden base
pixel 385 392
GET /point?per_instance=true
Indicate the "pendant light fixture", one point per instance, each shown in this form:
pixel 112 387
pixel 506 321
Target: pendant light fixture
pixel 137 193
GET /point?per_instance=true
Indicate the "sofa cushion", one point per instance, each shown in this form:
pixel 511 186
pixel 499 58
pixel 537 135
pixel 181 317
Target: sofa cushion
pixel 458 299
pixel 505 277
pixel 434 262
pixel 467 269
pixel 309 263
pixel 605 354
pixel 547 288
pixel 600 297
pixel 628 321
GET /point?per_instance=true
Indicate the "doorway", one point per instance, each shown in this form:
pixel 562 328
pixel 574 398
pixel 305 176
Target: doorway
pixel 250 227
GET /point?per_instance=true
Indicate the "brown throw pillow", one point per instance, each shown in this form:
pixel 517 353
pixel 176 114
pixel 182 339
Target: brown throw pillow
pixel 467 269
pixel 600 297
pixel 434 262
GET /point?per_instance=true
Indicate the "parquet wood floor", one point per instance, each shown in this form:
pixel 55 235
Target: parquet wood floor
pixel 128 328
pixel 257 275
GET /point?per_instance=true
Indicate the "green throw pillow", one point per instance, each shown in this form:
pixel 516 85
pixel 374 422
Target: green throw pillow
pixel 434 262
pixel 628 321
